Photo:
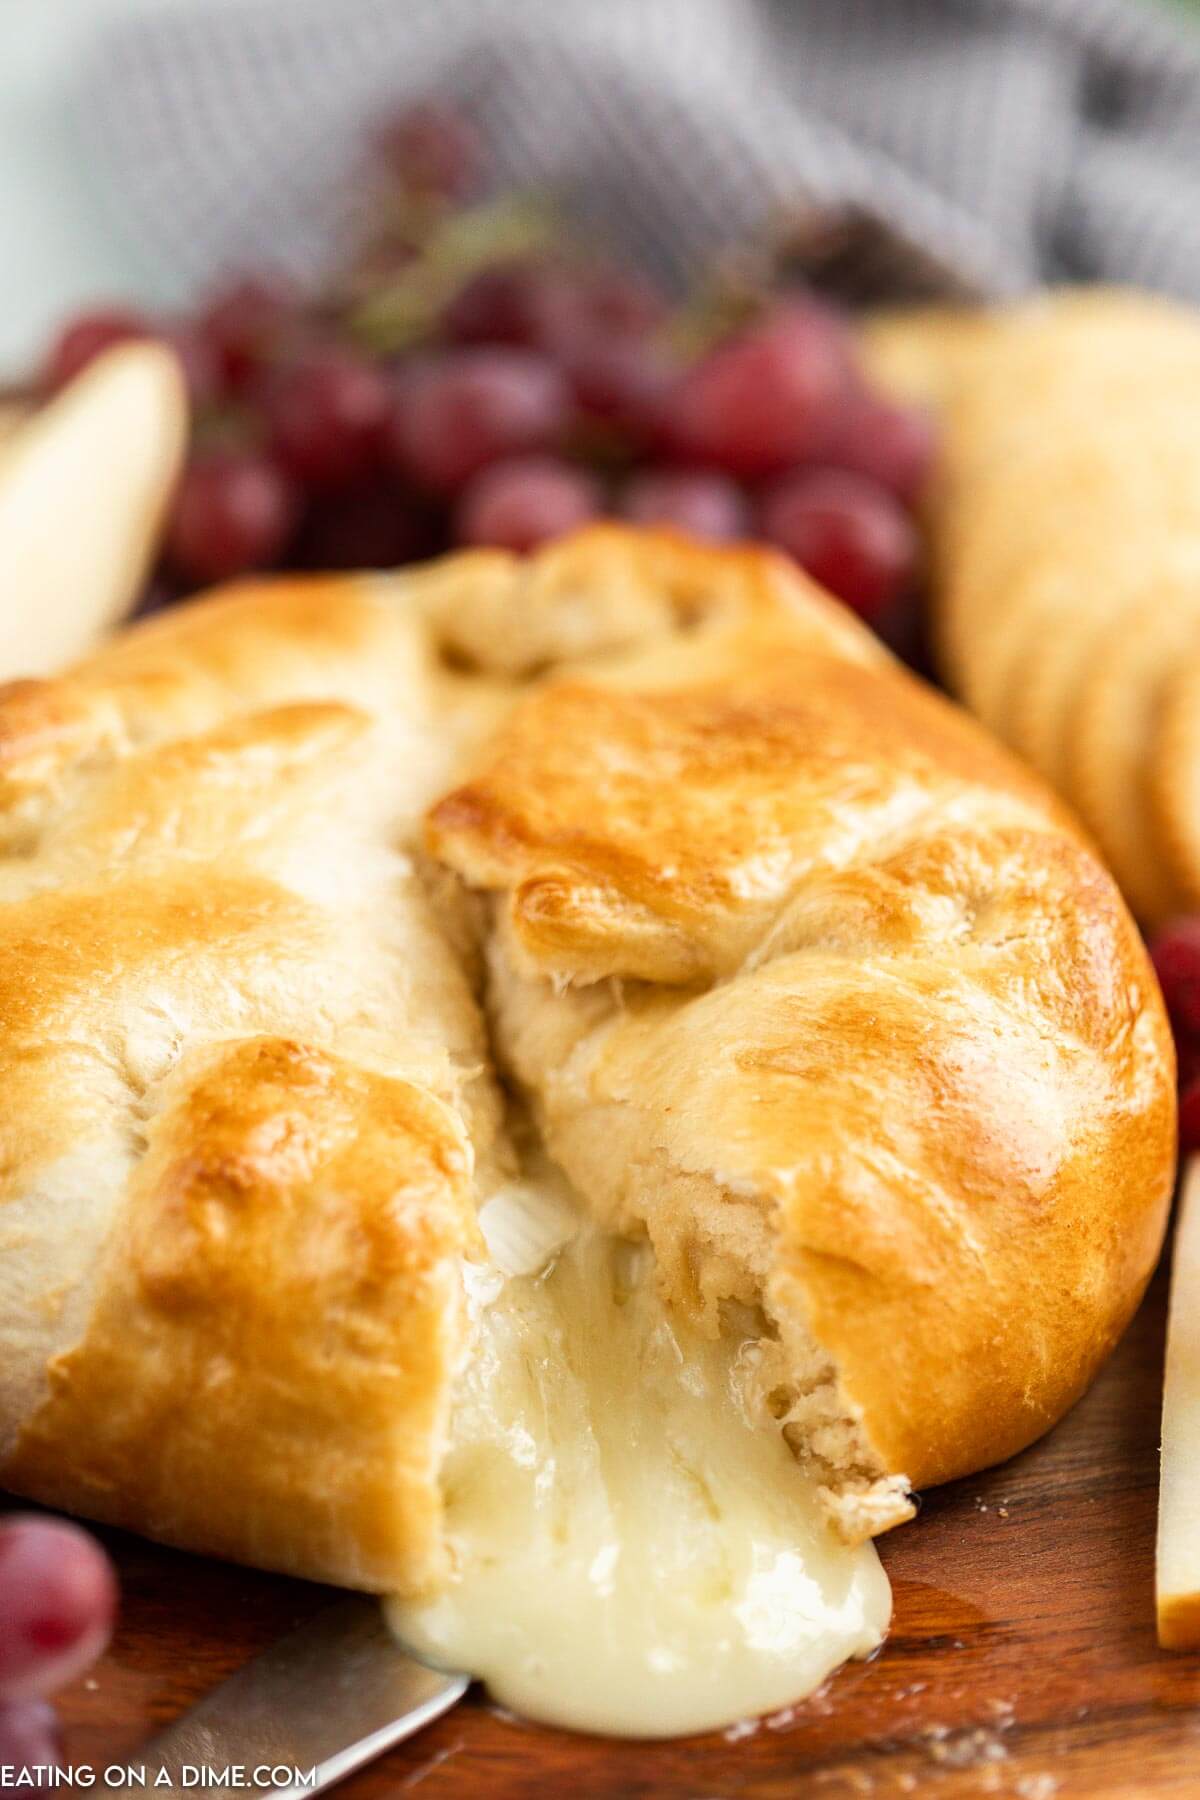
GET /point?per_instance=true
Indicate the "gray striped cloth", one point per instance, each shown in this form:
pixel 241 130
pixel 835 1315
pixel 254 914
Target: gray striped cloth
pixel 1011 140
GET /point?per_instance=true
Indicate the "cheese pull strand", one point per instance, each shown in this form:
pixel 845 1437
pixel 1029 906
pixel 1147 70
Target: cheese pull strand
pixel 1179 1494
pixel 633 1554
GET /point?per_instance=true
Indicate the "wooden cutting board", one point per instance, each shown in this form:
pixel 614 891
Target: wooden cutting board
pixel 1021 1660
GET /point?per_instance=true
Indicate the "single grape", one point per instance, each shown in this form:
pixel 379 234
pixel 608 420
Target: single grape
pixel 1189 1116
pixel 1187 1052
pixel 85 338
pixel 234 511
pixel 432 147
pixel 502 304
pixel 595 305
pixel 543 304
pixel 467 408
pixel 373 527
pixel 1187 1058
pixel 246 321
pixel 625 300
pixel 29 1735
pixel 894 445
pixel 162 590
pixel 202 370
pixel 698 501
pixel 518 504
pixel 1175 952
pixel 765 398
pixel 622 383
pixel 58 1599
pixel 595 325
pixel 327 417
pixel 848 533
pixel 902 627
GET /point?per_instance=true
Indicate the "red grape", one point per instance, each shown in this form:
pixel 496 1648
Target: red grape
pixel 765 398
pixel 594 324
pixel 698 501
pixel 1187 1058
pixel 622 382
pixel 892 444
pixel 544 305
pixel 82 342
pixel 29 1735
pixel 589 306
pixel 1189 1116
pixel 901 627
pixel 518 504
pixel 202 370
pixel 503 304
pixel 163 589
pixel 58 1598
pixel 234 511
pixel 327 417
pixel 623 300
pixel 847 532
pixel 469 408
pixel 433 147
pixel 374 527
pixel 85 338
pixel 1176 956
pixel 244 321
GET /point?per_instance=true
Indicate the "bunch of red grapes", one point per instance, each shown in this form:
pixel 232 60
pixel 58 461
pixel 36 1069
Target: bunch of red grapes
pixel 452 390
pixel 57 1600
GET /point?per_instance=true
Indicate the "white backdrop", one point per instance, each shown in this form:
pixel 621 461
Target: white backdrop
pixel 55 254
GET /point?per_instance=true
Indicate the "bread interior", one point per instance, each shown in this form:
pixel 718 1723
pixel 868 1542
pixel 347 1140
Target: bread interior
pixel 711 1249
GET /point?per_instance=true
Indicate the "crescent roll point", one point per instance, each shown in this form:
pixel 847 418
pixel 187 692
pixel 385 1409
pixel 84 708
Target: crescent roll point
pixel 802 977
pixel 1065 528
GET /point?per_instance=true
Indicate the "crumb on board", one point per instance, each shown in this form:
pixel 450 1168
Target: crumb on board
pixel 967 1749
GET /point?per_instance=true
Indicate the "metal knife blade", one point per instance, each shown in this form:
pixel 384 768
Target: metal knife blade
pixel 306 1712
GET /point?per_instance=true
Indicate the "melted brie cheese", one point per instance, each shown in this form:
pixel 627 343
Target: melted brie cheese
pixel 632 1554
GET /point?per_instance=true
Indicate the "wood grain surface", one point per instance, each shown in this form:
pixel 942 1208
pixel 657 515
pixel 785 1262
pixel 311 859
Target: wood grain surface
pixel 1021 1660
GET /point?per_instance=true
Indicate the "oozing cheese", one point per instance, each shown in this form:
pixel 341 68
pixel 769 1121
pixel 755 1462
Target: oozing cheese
pixel 632 1554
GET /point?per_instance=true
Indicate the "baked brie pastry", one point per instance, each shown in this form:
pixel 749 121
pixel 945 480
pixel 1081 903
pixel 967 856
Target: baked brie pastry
pixel 1065 526
pixel 561 1090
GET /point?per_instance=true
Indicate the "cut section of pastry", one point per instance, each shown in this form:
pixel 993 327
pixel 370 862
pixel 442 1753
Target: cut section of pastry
pixel 704 956
pixel 853 1094
pixel 634 1548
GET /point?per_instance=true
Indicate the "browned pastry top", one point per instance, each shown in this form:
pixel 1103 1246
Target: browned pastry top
pixel 802 976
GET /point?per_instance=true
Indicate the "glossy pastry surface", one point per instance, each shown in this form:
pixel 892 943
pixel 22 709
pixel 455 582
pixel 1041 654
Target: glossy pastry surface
pixel 812 992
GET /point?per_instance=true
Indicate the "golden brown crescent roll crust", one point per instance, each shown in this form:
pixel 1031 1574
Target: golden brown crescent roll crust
pixel 804 978
pixel 1065 526
pixel 245 1080
pixel 810 982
